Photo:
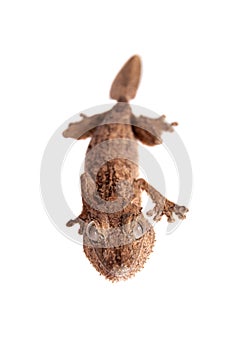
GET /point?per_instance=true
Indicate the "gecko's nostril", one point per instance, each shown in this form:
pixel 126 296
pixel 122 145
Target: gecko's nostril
pixel 120 271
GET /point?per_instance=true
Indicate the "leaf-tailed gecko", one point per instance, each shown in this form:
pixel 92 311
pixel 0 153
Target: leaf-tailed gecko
pixel 117 237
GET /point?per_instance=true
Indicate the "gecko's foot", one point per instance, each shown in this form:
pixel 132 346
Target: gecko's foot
pixel 156 212
pixel 180 211
pixel 149 130
pixel 82 115
pixel 169 209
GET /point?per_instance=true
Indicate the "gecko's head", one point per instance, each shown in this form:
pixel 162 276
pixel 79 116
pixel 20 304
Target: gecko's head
pixel 119 245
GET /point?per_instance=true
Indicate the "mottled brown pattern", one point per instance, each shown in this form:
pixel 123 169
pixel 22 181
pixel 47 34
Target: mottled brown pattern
pixel 117 237
pixel 122 262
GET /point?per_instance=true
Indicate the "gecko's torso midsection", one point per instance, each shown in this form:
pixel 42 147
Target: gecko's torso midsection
pixel 112 155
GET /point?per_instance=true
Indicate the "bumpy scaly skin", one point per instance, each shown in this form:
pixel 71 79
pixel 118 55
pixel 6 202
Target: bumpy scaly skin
pixel 121 263
pixel 111 190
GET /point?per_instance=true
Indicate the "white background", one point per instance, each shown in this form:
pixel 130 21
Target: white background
pixel 59 58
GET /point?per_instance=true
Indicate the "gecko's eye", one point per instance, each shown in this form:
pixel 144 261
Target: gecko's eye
pixel 92 232
pixel 138 230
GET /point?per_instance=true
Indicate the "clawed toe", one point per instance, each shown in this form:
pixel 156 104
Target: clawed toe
pixel 71 222
pixel 169 210
pixel 180 211
pixel 156 213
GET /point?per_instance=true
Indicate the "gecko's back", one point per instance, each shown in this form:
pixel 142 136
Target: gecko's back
pixel 112 155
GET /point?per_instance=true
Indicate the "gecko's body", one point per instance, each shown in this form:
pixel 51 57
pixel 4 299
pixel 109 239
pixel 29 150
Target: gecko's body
pixel 117 237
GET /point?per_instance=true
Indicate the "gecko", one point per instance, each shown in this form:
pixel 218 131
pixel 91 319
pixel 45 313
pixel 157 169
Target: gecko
pixel 117 236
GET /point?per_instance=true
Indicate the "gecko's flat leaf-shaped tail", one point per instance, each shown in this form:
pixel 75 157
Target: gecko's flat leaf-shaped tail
pixel 125 85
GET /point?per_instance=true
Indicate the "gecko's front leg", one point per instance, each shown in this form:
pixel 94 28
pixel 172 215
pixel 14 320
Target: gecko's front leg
pixel 162 205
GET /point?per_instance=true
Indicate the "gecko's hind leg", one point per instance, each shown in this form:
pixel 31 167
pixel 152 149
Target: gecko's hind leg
pixel 162 205
pixel 84 128
pixel 149 130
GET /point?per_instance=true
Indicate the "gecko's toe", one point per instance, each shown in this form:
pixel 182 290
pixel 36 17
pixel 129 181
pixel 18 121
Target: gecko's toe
pixel 71 222
pixel 180 211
